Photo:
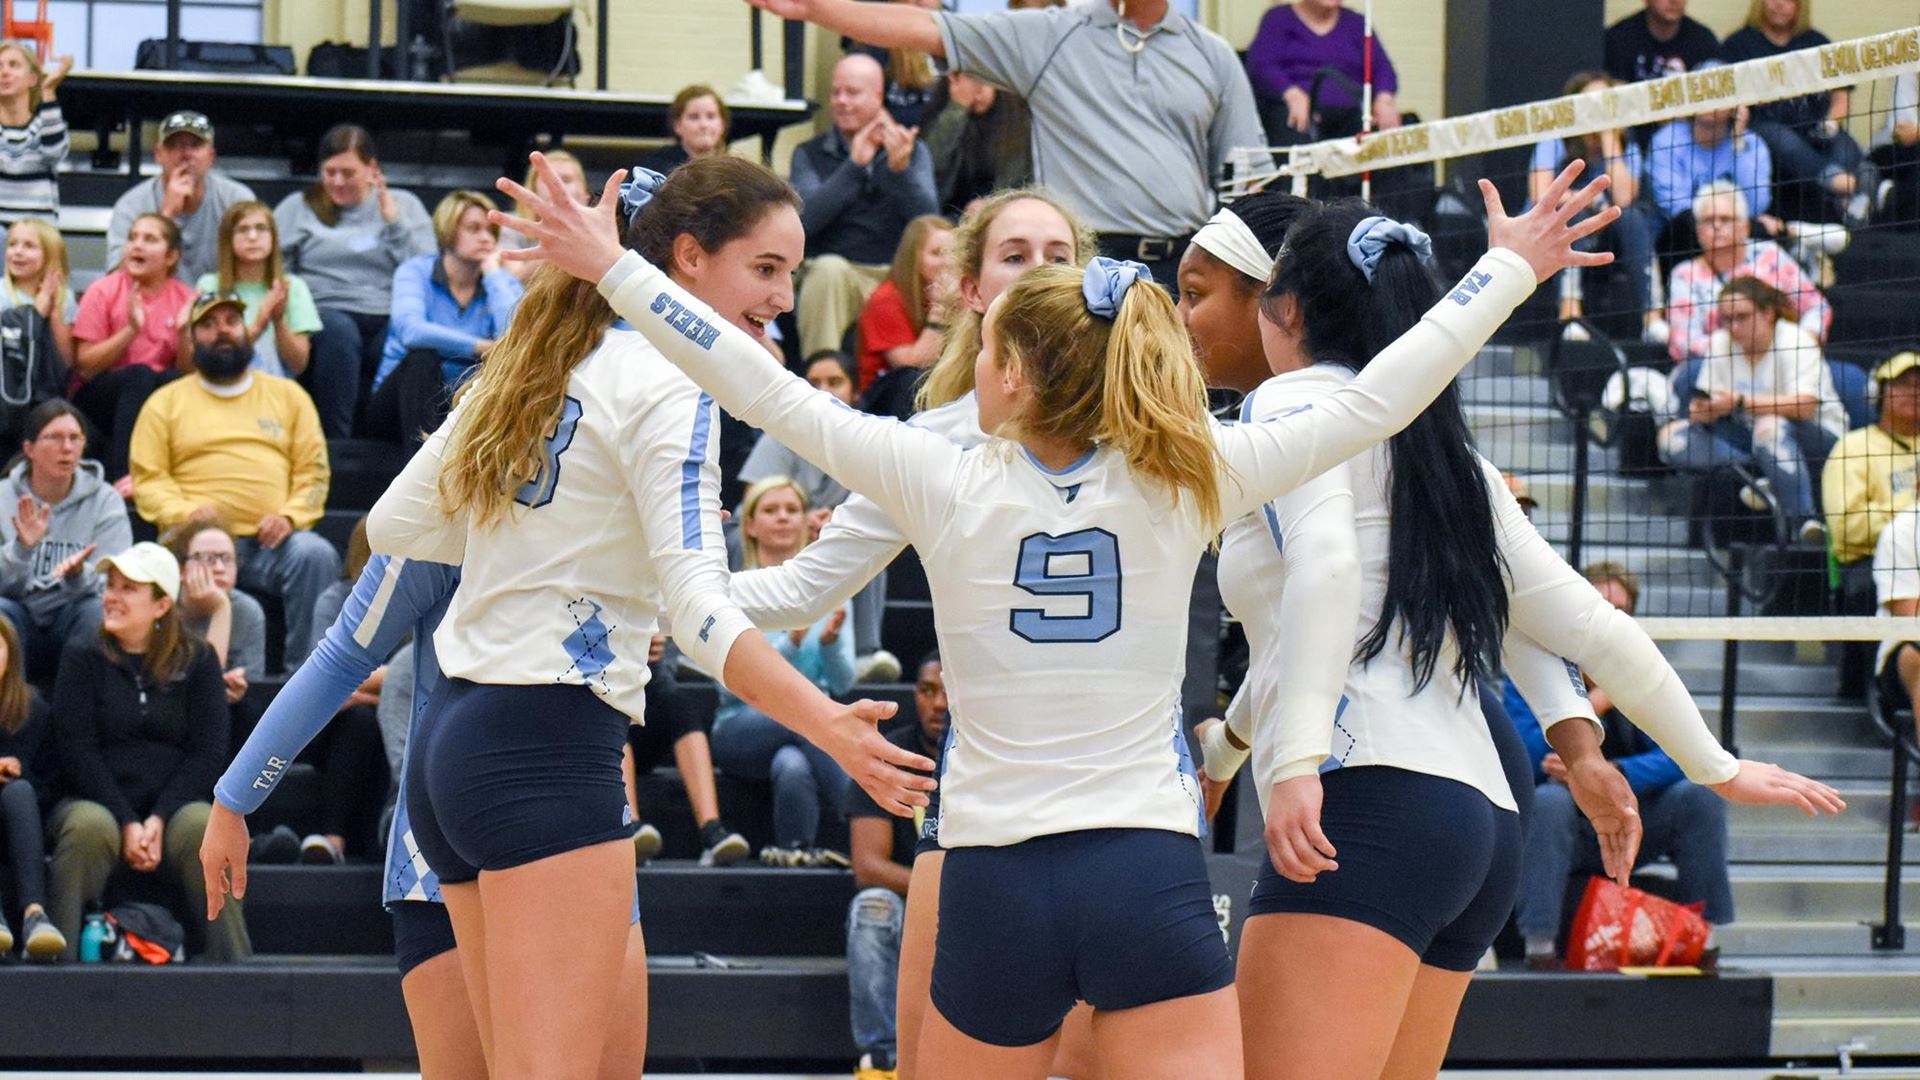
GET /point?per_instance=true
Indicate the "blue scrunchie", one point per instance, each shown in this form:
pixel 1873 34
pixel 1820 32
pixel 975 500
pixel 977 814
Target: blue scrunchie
pixel 638 191
pixel 1106 283
pixel 1370 238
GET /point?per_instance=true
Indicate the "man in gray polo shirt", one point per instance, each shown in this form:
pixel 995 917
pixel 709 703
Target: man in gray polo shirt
pixel 189 190
pixel 1134 120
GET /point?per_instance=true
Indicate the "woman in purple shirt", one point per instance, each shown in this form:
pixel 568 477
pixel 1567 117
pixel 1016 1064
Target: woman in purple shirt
pixel 1297 40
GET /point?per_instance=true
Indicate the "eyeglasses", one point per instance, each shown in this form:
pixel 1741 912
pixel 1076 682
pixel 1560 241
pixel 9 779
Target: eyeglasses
pixel 212 558
pixel 62 438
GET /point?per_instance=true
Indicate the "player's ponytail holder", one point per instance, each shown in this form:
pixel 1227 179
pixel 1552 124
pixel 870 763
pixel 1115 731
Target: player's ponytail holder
pixel 637 192
pixel 1106 282
pixel 1370 238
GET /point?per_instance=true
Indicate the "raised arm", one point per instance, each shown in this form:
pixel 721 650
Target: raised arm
pixel 1559 609
pixel 1271 459
pixel 890 26
pixel 908 472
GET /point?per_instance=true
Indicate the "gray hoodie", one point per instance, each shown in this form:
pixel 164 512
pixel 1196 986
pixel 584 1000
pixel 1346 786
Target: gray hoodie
pixel 92 513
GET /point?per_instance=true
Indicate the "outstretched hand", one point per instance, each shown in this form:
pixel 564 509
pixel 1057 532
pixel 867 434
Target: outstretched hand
pixel 223 858
pixel 581 240
pixel 1602 793
pixel 1760 784
pixel 1545 235
pixel 797 10
pixel 853 739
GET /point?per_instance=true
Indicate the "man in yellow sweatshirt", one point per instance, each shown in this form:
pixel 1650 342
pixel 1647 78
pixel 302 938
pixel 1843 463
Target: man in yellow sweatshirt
pixel 244 448
pixel 1869 476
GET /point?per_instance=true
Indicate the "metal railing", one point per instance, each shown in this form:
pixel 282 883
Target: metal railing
pixel 1889 934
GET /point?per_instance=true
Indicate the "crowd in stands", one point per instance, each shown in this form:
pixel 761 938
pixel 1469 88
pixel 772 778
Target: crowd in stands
pixel 200 379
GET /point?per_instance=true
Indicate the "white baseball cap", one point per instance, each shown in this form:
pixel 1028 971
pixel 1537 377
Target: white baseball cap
pixel 146 562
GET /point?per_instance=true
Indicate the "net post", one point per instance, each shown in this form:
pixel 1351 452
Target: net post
pixel 1888 934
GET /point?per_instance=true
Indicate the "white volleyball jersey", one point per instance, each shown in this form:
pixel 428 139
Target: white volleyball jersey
pixel 568 588
pixel 1381 717
pixel 1060 597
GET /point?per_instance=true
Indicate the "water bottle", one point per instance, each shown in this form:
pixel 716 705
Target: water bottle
pixel 92 935
pixel 420 55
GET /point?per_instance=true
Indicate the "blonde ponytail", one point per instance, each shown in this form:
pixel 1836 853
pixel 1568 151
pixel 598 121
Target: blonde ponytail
pixel 498 441
pixel 1130 384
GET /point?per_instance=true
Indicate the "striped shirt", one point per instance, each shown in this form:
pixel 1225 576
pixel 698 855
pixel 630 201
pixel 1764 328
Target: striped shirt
pixel 30 157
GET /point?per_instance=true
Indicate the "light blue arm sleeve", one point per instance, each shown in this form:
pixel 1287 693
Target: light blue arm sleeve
pixel 389 598
pixel 836 660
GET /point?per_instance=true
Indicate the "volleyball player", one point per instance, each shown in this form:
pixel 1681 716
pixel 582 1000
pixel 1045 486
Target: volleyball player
pixel 1071 824
pixel 1389 759
pixel 1004 236
pixel 394 599
pixel 574 482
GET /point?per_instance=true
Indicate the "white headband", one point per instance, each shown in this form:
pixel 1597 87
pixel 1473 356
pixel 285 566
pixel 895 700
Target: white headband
pixel 1227 238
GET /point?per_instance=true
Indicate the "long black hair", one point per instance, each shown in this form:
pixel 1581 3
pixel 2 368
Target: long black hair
pixel 1268 214
pixel 1444 571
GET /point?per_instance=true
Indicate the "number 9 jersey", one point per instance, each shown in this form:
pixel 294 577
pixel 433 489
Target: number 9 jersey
pixel 567 588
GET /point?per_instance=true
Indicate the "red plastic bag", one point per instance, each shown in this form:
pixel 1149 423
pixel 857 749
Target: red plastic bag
pixel 1620 927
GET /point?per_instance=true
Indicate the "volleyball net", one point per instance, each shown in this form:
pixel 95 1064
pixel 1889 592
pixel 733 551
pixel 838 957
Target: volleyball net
pixel 1706 411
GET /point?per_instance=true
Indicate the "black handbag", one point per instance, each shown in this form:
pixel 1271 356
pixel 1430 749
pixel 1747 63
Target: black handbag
pixel 223 57
pixel 31 370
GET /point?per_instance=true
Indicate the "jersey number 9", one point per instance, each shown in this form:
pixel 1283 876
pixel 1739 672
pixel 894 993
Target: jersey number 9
pixel 1080 564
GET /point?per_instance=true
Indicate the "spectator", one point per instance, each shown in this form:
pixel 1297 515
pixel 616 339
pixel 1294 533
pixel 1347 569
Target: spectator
pixel 281 315
pixel 1806 135
pixel 189 192
pixel 899 327
pixel 573 178
pixel 981 138
pixel 862 182
pixel 1763 399
pixel 699 121
pixel 127 335
pixel 1139 153
pixel 63 511
pixel 142 728
pixel 37 273
pixel 1682 820
pixel 1870 476
pixel 672 722
pixel 1631 238
pixel 33 133
pixel 448 309
pixel 242 447
pixel 1298 41
pixel 883 850
pixel 209 572
pixel 1658 42
pixel 346 235
pixel 1727 251
pixel 1686 155
pixel 750 745
pixel 24 721
pixel 1896 152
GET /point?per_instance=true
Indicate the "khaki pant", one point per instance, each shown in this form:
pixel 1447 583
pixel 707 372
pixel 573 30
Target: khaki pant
pixel 832 292
pixel 86 850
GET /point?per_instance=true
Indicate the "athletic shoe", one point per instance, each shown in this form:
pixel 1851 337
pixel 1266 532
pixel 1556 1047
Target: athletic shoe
pixel 1657 331
pixel 782 856
pixel 877 666
pixel 280 846
pixel 827 858
pixel 45 942
pixel 6 936
pixel 723 846
pixel 1813 532
pixel 868 1069
pixel 646 844
pixel 317 850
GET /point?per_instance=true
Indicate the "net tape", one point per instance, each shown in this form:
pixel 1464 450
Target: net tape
pixel 1828 67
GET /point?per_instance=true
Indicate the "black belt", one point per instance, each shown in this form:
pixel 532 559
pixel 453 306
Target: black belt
pixel 1147 249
